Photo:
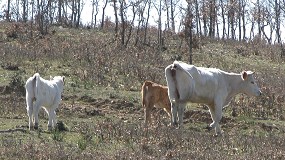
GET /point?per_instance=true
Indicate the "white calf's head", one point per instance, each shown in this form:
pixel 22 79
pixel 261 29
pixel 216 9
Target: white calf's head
pixel 249 84
pixel 59 80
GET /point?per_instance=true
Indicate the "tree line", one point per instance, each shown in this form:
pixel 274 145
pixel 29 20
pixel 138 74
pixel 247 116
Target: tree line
pixel 240 20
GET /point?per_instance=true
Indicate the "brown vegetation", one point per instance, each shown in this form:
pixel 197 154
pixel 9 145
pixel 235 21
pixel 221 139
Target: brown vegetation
pixel 101 101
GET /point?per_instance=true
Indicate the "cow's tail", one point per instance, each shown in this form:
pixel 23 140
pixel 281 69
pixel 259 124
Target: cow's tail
pixel 31 90
pixel 144 90
pixel 170 74
pixel 36 83
pixel 177 65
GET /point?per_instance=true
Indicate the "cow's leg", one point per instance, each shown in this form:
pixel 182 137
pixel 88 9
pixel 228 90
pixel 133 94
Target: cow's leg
pixel 216 113
pixel 174 114
pixel 213 116
pixel 30 113
pixel 181 109
pixel 52 119
pixel 36 110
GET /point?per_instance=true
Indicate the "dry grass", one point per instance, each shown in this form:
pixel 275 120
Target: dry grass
pixel 101 103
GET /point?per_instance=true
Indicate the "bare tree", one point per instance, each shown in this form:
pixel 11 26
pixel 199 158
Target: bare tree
pixel 7 11
pixel 243 15
pixel 231 18
pixel 277 9
pixel 59 7
pixel 167 14
pixel 116 16
pixel 141 10
pixel 146 22
pixel 103 14
pixel 95 8
pixel 134 6
pixel 212 20
pixel 205 14
pixel 258 18
pixel 123 10
pixel 188 22
pixel 25 10
pixel 172 10
pixel 158 8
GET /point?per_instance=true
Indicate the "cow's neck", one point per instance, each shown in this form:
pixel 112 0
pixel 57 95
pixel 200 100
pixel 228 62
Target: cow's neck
pixel 235 85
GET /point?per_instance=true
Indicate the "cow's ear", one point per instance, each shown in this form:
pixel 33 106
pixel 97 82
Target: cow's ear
pixel 244 75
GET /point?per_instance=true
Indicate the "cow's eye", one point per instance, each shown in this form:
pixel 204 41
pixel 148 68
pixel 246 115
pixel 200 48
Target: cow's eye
pixel 252 82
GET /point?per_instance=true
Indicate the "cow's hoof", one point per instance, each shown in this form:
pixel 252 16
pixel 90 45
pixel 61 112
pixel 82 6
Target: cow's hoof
pixel 49 128
pixel 218 135
pixel 36 126
pixel 209 128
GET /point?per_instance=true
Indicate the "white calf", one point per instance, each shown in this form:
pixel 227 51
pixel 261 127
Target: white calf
pixel 210 86
pixel 43 93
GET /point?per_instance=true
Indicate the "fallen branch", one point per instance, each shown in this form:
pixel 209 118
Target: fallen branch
pixel 13 130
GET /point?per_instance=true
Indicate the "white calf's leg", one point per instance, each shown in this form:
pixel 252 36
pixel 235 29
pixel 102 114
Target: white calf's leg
pixel 53 116
pixel 50 118
pixel 174 114
pixel 30 114
pixel 181 109
pixel 36 110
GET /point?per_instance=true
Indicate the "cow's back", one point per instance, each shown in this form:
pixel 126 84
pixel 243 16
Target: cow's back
pixel 47 92
pixel 206 83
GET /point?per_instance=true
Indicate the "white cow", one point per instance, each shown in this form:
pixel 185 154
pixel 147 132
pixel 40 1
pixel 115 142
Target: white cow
pixel 43 93
pixel 210 86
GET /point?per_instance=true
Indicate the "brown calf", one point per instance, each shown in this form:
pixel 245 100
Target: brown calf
pixel 154 95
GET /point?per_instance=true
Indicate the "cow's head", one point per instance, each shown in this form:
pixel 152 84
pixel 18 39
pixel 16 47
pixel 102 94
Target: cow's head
pixel 250 86
pixel 58 78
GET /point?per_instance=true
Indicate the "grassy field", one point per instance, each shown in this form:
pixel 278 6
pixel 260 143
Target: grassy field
pixel 101 107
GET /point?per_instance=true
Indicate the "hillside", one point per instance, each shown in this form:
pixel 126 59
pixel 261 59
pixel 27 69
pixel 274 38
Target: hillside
pixel 101 106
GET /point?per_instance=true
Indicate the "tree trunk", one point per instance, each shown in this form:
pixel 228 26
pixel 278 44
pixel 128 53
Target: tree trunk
pixel 123 25
pixel 7 14
pixel 24 16
pixel 131 25
pixel 243 19
pixel 103 14
pixel 197 18
pixel 188 29
pixel 116 16
pixel 78 13
pixel 172 15
pixel 146 23
pixel 204 18
pixel 59 12
pixel 239 20
pixel 277 18
pixel 223 18
pixel 259 19
pixel 211 19
pixel 167 15
pixel 141 21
